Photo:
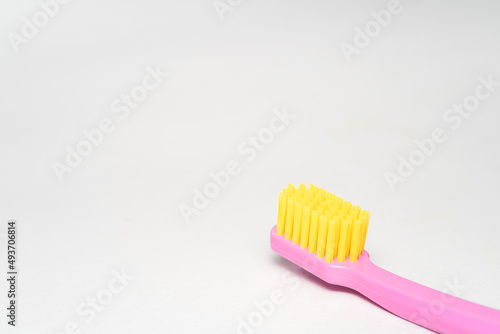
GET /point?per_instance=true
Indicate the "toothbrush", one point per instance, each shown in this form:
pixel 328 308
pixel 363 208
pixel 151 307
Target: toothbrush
pixel 325 235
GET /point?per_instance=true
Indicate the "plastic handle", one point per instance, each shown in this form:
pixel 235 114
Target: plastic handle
pixel 421 305
pixel 424 306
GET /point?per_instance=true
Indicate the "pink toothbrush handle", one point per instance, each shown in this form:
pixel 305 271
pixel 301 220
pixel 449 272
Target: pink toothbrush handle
pixel 424 306
pixel 421 305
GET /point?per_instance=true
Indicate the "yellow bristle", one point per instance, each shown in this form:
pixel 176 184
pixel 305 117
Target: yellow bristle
pixel 351 217
pixel 336 235
pixel 334 212
pixel 285 192
pixel 306 222
pixel 322 234
pixel 337 203
pixel 308 195
pixel 344 213
pixel 355 240
pixel 297 220
pixel 363 233
pixel 280 227
pixel 289 218
pixel 365 230
pixel 355 211
pixel 313 232
pixel 322 222
pixel 349 235
pixel 322 193
pixel 332 239
pixel 342 253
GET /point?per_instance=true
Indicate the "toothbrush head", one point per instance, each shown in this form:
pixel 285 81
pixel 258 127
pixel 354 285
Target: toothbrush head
pixel 322 223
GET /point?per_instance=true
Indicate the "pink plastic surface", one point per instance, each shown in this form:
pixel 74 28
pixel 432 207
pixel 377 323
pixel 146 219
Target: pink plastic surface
pixel 421 305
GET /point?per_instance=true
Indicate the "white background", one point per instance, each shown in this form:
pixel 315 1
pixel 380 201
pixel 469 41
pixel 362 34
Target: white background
pixel 119 209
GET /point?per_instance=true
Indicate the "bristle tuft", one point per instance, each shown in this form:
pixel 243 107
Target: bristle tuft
pixel 322 223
